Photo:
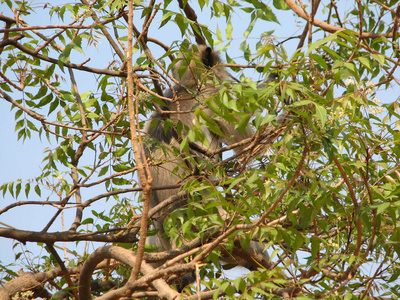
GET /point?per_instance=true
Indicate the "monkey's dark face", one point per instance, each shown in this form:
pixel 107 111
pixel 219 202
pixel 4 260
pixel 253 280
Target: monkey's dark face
pixel 208 59
pixel 198 66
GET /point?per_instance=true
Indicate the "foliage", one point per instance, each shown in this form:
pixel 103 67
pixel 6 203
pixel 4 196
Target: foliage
pixel 322 194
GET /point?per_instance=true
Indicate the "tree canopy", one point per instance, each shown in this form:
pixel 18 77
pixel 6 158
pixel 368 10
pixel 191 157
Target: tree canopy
pixel 319 190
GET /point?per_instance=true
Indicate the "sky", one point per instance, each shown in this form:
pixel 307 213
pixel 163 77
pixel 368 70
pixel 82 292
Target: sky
pixel 23 159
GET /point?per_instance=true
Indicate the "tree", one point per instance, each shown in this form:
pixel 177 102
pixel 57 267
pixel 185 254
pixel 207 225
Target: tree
pixel 322 194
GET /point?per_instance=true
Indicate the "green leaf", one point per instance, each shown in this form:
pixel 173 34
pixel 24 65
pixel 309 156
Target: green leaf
pixel 315 246
pixel 103 171
pixel 93 115
pixel 121 151
pixel 38 191
pixel 77 47
pixel 27 189
pixel 279 4
pixel 42 91
pixel 45 100
pixel 229 30
pixel 64 56
pixel 11 188
pixel 380 207
pixel 90 101
pixel 318 43
pixel 87 221
pixel 182 23
pixel 249 29
pixel 219 34
pixel 319 60
pixel 17 189
pixel 366 62
pixel 321 113
pixel 244 122
pixel 211 124
pixel 267 14
pixel 301 103
pixel 379 58
pixel 120 168
pixel 166 17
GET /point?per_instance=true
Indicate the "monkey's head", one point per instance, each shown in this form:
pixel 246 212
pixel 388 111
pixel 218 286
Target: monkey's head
pixel 200 65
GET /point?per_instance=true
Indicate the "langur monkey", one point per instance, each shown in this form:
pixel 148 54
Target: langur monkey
pixel 196 83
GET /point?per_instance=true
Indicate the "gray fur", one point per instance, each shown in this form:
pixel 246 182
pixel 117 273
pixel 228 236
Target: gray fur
pixel 196 84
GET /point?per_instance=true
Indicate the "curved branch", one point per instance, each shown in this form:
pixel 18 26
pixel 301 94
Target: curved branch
pixel 67 275
pixel 51 237
pixel 26 110
pixel 129 258
pixel 331 28
pixel 96 19
pixel 191 15
pixel 28 281
pixel 56 61
pixel 19 29
pixel 67 236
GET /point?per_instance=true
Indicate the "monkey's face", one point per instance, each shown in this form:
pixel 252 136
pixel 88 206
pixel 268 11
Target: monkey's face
pixel 197 66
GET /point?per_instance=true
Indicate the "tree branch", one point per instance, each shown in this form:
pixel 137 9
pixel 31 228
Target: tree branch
pixel 331 28
pixel 129 258
pixel 33 53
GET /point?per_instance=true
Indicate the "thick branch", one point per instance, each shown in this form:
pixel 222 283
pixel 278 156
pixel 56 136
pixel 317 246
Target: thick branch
pixel 28 281
pixel 191 15
pixel 138 150
pixel 129 258
pixel 67 275
pixel 51 237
